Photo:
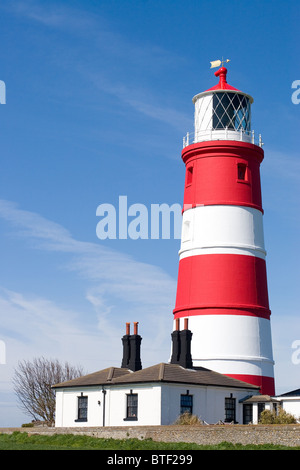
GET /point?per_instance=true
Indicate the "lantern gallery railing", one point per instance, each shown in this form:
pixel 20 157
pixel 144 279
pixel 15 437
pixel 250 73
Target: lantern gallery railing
pixel 222 134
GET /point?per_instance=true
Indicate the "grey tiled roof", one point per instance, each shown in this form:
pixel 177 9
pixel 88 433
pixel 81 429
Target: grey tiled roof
pixel 101 377
pixel 163 372
pixel 260 399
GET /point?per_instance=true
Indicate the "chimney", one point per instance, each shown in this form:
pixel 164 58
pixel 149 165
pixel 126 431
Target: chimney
pixel 175 343
pixel 181 346
pixel 135 350
pixel 185 347
pixel 126 347
pixel 132 349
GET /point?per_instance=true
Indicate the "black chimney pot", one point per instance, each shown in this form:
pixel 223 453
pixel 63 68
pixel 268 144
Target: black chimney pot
pixel 181 346
pixel 132 349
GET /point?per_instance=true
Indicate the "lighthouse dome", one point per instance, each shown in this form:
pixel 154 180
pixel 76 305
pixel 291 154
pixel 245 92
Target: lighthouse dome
pixel 222 113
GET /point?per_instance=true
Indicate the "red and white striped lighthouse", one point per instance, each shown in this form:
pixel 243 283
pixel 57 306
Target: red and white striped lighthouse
pixel 222 281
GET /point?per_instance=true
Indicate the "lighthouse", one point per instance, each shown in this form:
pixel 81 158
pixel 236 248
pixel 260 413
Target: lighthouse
pixel 222 280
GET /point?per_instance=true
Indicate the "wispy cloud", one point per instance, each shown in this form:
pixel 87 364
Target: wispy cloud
pixel 55 15
pixel 143 101
pixel 115 65
pixel 105 36
pixel 118 288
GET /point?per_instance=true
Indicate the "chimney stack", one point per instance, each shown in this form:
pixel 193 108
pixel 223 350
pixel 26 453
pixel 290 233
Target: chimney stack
pixel 185 345
pixel 132 349
pixel 175 343
pixel 181 345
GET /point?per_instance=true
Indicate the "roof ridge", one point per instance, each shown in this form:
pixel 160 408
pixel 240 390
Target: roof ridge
pixel 161 371
pixel 111 371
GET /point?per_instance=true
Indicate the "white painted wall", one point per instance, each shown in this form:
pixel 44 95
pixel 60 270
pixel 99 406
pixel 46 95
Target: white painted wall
pixel 67 406
pixel 157 404
pixel 149 405
pixel 291 405
pixel 208 402
pixel 203 113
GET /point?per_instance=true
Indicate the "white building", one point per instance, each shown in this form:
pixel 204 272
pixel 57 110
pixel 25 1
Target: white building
pixel 290 402
pixel 156 395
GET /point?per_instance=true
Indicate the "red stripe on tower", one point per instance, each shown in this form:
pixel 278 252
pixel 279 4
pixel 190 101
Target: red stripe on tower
pixel 222 279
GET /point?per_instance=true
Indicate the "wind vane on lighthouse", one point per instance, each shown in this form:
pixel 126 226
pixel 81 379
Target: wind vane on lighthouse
pixel 217 63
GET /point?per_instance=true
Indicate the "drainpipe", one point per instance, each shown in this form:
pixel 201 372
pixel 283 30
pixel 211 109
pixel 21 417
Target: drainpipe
pixel 103 418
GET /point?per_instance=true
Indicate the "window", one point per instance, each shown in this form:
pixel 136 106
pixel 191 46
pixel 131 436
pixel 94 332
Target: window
pixel 231 111
pixel 186 231
pixel 186 403
pixel 230 409
pixel 131 406
pixel 247 413
pixel 189 176
pixel 242 171
pixel 82 408
pixel 260 409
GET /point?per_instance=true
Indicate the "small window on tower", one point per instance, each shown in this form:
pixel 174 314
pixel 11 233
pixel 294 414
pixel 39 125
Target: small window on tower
pixel 189 177
pixel 186 231
pixel 242 172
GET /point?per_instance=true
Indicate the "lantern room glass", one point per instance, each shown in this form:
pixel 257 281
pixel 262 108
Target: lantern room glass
pixel 231 111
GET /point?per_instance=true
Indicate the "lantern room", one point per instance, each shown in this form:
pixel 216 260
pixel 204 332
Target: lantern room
pixel 222 113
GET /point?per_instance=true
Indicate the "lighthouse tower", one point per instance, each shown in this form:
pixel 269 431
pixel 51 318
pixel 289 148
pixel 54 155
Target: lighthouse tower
pixel 222 282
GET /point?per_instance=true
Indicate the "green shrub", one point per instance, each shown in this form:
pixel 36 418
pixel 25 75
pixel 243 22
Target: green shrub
pixel 188 419
pixel 281 417
pixel 267 417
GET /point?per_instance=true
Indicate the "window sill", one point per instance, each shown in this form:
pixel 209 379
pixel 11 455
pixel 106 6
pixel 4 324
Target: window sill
pixel 130 419
pixel 243 181
pixel 80 420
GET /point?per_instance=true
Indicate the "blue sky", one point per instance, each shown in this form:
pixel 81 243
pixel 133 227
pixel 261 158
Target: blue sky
pixel 98 98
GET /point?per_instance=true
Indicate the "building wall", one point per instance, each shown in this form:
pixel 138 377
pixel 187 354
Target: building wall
pixel 291 405
pixel 149 405
pixel 67 407
pixel 208 402
pixel 158 404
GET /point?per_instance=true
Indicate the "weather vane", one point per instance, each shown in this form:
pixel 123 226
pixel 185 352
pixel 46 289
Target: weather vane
pixel 217 63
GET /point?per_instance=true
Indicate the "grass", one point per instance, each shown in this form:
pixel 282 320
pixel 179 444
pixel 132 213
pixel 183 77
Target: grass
pixel 22 441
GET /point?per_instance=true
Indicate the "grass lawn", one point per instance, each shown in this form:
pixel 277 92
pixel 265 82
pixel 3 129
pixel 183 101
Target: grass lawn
pixel 21 441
